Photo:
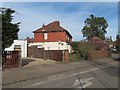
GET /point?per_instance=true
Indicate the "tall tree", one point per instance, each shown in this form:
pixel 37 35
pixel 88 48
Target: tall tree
pixel 9 30
pixel 95 26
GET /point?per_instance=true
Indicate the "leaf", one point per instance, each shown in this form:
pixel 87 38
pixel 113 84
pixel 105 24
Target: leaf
pixel 95 26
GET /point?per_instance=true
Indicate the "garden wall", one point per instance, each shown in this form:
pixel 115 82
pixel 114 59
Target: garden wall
pixel 98 54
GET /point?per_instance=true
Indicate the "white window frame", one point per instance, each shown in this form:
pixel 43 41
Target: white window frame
pixel 45 36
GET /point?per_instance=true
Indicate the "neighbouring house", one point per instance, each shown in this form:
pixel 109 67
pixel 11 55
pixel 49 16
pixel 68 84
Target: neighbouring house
pixel 19 45
pixel 29 40
pixel 52 37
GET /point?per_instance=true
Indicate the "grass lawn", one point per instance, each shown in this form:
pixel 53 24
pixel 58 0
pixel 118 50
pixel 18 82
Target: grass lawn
pixel 74 57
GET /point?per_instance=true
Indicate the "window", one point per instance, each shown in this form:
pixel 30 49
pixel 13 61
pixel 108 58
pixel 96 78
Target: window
pixel 18 46
pixel 68 38
pixel 45 36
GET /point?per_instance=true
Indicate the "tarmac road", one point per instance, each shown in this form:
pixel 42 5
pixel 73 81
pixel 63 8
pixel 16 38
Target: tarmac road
pixel 100 73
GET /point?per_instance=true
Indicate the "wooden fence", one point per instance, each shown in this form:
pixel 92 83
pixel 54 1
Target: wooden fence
pixel 10 59
pixel 57 55
pixel 98 54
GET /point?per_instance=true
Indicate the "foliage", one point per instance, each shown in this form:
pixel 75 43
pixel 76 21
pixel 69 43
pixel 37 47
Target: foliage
pixel 84 47
pixel 117 37
pixel 74 57
pixel 9 30
pixel 75 47
pixel 100 44
pixel 95 26
pixel 81 48
pixel 117 43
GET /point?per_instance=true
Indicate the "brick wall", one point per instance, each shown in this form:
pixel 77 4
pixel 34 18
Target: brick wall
pixel 52 37
pixel 98 54
pixel 38 37
pixel 66 56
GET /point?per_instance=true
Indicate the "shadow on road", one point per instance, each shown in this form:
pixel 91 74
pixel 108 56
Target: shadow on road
pixel 26 61
pixel 117 59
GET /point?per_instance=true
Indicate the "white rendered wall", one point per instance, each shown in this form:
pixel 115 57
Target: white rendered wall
pixel 23 44
pixel 52 45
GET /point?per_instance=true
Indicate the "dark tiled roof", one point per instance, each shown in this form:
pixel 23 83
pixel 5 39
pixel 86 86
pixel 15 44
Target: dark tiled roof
pixel 29 40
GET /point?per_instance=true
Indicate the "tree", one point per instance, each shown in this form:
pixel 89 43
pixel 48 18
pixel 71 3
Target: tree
pixel 117 43
pixel 95 27
pixel 9 30
pixel 75 46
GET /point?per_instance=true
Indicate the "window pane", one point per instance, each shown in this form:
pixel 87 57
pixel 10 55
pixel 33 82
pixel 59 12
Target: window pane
pixel 45 36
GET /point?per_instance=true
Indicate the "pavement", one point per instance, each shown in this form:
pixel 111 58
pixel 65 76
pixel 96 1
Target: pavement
pixel 26 62
pixel 99 73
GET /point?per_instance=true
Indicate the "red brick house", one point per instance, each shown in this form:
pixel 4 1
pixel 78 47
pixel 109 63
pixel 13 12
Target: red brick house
pixel 52 37
pixel 52 32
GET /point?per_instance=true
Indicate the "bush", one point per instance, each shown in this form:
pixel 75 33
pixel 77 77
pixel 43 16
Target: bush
pixel 101 45
pixel 75 46
pixel 81 48
pixel 74 57
pixel 84 47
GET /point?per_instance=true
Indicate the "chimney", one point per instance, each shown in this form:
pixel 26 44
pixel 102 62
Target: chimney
pixel 57 23
pixel 43 25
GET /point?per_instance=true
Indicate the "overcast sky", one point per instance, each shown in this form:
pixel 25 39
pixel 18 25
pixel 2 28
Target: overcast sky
pixel 71 16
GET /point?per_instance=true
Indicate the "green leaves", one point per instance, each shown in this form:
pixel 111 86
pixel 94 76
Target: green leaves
pixel 95 26
pixel 81 48
pixel 9 29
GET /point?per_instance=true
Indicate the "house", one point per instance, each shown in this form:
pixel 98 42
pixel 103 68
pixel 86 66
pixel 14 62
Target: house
pixel 51 38
pixel 19 45
pixel 29 40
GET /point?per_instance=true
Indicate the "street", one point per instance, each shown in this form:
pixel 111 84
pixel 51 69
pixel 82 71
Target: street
pixel 99 73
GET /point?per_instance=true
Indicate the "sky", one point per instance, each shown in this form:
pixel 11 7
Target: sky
pixel 71 15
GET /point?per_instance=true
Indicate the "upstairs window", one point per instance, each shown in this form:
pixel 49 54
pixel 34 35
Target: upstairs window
pixel 45 36
pixel 67 38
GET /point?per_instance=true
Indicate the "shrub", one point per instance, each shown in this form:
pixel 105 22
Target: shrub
pixel 84 47
pixel 101 45
pixel 75 46
pixel 74 57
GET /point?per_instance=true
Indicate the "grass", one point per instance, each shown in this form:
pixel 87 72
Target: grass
pixel 74 57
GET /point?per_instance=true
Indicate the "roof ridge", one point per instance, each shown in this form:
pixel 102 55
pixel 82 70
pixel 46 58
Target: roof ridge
pixel 53 26
pixel 51 23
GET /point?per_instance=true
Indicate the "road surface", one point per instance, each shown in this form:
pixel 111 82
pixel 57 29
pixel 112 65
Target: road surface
pixel 100 73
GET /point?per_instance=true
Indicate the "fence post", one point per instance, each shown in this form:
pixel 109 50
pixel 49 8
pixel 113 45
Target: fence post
pixel 20 60
pixel 63 56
